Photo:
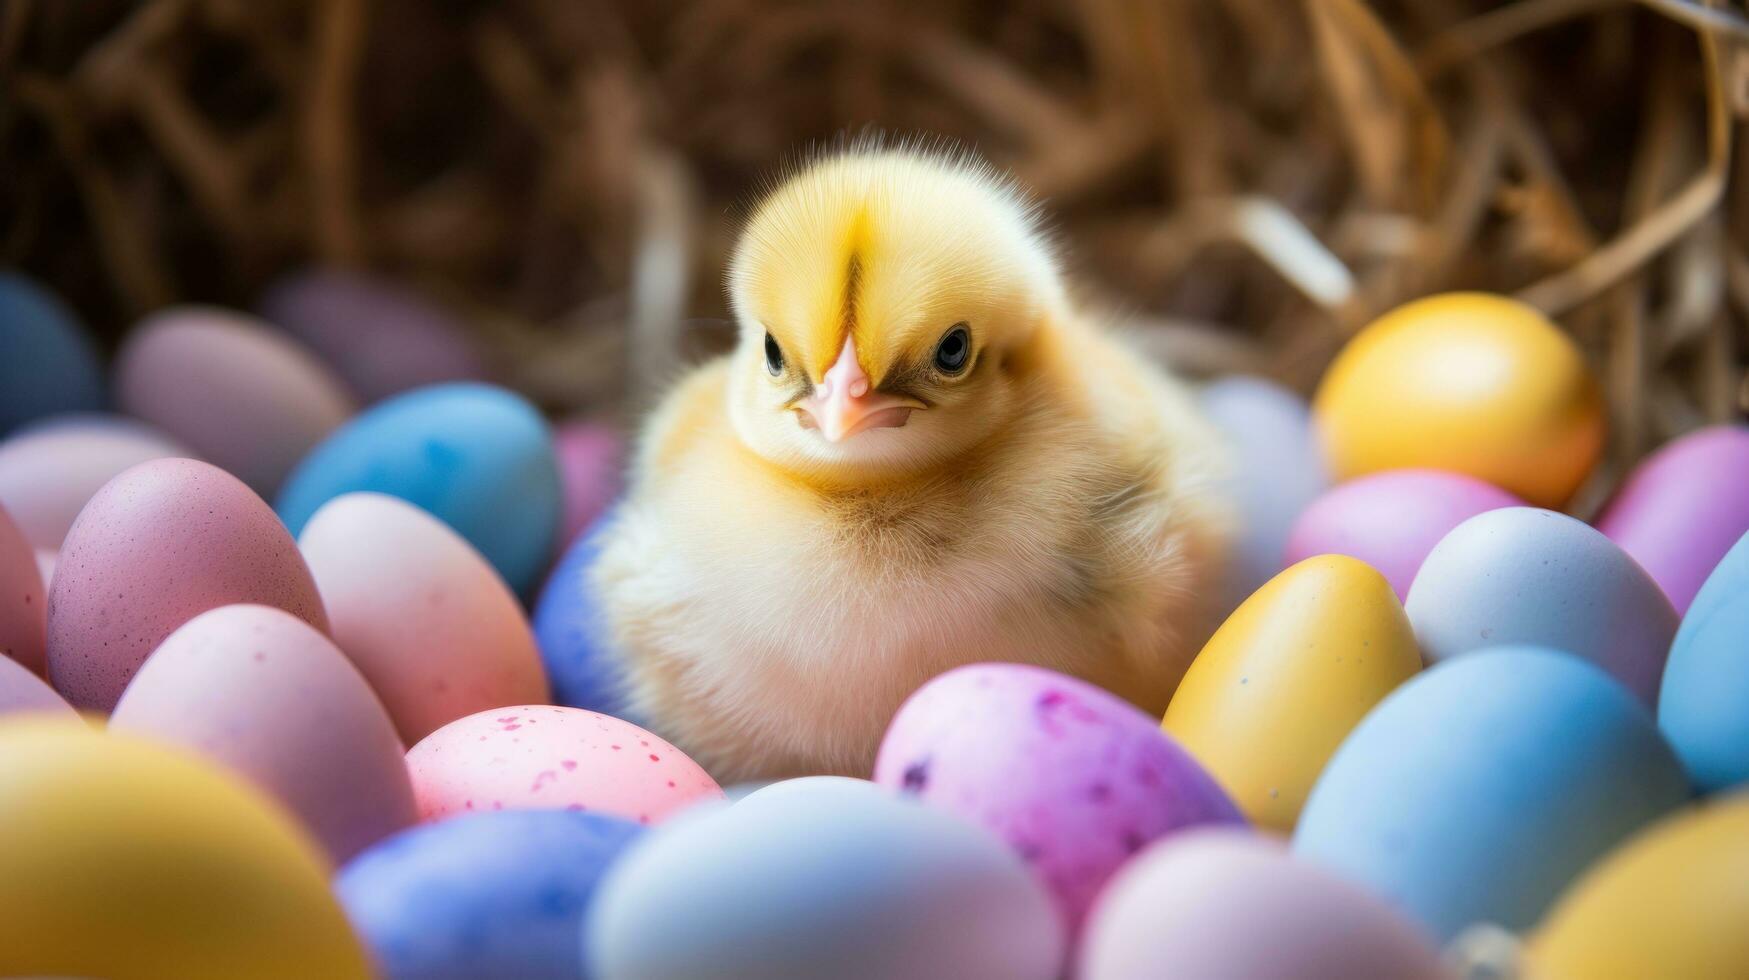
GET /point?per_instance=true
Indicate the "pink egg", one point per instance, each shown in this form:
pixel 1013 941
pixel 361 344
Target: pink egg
pixel 1682 509
pixel 1075 779
pixel 1391 520
pixel 50 470
pixel 264 693
pixel 21 690
pixel 158 545
pixel 589 456
pixel 553 758
pixel 236 391
pixel 1222 903
pixel 23 600
pixel 424 617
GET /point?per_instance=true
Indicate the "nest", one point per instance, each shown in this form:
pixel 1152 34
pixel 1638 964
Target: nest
pixel 1246 182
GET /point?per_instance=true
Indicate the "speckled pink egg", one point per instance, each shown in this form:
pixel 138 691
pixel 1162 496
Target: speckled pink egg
pixel 1391 520
pixel 1223 903
pixel 589 456
pixel 50 470
pixel 1075 779
pixel 23 600
pixel 264 693
pixel 21 690
pixel 158 545
pixel 1682 509
pixel 552 757
pixel 230 387
pixel 424 616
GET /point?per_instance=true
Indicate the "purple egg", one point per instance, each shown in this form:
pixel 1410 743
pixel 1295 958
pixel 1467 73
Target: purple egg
pixel 589 456
pixel 1075 779
pixel 1391 520
pixel 380 338
pixel 1683 507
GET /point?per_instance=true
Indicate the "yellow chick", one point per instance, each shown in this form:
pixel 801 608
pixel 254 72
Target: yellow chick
pixel 918 456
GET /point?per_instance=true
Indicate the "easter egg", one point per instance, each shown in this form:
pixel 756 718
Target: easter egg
pixel 48 472
pixel 589 456
pixel 573 636
pixel 1680 510
pixel 426 619
pixel 1285 679
pixel 483 895
pixel 542 756
pixel 1073 778
pixel 1477 790
pixel 23 602
pixel 380 337
pixel 1706 683
pixel 1224 903
pixel 821 877
pixel 231 388
pixel 266 695
pixel 1671 902
pixel 1520 575
pixel 1467 382
pixel 158 545
pixel 47 363
pixel 1391 520
pixel 1277 469
pixel 21 690
pixel 477 457
pixel 127 859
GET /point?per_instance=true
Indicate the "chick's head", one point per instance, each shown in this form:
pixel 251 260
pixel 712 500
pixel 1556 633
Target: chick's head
pixel 885 301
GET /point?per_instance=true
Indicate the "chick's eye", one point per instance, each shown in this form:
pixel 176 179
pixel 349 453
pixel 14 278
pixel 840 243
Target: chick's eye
pixel 773 356
pixel 954 350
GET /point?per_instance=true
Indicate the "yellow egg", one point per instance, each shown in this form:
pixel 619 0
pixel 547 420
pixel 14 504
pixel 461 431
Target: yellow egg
pixel 1468 382
pixel 1671 902
pixel 122 859
pixel 1285 678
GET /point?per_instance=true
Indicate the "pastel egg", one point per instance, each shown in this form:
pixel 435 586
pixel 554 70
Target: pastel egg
pixel 572 634
pixel 1477 790
pixel 1391 520
pixel 1706 683
pixel 158 545
pixel 821 877
pixel 1286 677
pixel 48 364
pixel 483 895
pixel 127 859
pixel 1528 576
pixel 266 695
pixel 1682 507
pixel 1075 779
pixel 478 457
pixel 1277 470
pixel 48 472
pixel 589 456
pixel 1467 382
pixel 547 757
pixel 1223 903
pixel 381 338
pixel 23 602
pixel 231 388
pixel 21 690
pixel 1671 902
pixel 423 616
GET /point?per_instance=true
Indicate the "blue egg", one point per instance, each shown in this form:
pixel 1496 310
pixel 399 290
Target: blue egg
pixel 572 636
pixel 47 362
pixel 478 457
pixel 500 894
pixel 1703 706
pixel 1476 791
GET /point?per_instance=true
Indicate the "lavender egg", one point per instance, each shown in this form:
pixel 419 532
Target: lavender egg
pixel 49 470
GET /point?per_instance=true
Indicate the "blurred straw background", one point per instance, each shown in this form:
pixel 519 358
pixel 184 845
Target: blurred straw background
pixel 1245 182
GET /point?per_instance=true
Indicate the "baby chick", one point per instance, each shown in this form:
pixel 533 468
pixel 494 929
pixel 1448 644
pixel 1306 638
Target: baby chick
pixel 918 456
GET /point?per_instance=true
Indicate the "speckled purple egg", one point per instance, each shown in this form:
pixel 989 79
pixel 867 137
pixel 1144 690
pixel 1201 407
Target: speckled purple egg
pixel 22 597
pixel 589 456
pixel 158 545
pixel 1075 779
pixel 381 338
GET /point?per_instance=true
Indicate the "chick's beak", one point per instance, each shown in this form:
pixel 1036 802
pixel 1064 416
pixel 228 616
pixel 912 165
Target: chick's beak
pixel 843 404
